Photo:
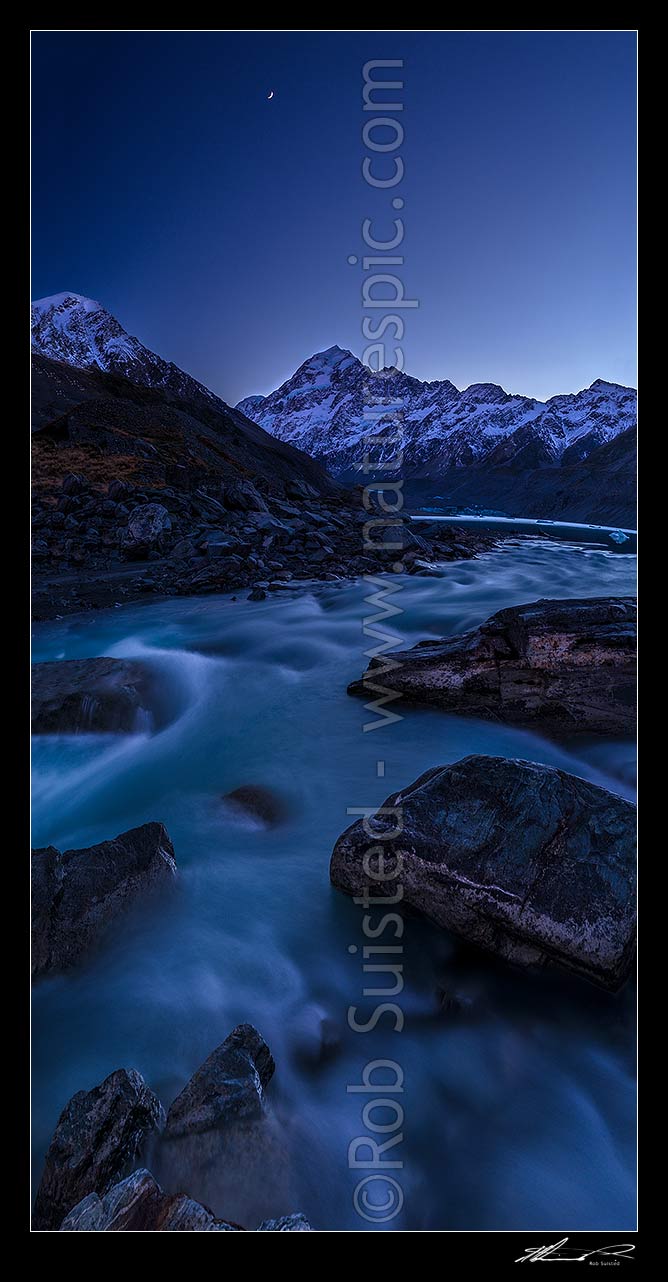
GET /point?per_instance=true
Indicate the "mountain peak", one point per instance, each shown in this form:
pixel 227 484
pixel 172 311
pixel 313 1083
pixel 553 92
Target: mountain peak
pixel 79 331
pixel 604 384
pixel 67 299
pixel 333 355
pixel 328 404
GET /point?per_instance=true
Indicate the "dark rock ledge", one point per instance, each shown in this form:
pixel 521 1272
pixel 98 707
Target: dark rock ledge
pixel 562 665
pixel 530 863
pixel 77 894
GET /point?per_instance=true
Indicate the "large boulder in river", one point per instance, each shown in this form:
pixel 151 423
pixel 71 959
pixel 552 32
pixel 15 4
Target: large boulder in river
pixel 220 1138
pixel 529 862
pixel 98 1135
pixel 74 695
pixel 76 894
pixel 561 665
pixel 229 1086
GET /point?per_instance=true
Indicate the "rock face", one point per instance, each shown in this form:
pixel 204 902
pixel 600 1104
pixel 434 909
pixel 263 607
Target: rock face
pixel 228 1087
pixel 138 1205
pixel 98 1134
pixel 92 695
pixel 526 861
pixel 563 665
pixel 78 893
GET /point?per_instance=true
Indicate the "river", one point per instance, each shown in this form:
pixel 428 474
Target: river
pixel 518 1097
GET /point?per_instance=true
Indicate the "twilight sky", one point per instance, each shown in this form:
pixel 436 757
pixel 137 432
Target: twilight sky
pixel 217 225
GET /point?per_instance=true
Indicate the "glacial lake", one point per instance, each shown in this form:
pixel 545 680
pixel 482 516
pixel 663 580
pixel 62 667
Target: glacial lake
pixel 614 537
pixel 518 1094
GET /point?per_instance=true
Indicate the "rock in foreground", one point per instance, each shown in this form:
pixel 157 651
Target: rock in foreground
pixel 228 1087
pixel 526 861
pixel 286 1224
pixel 78 893
pixel 91 695
pixel 564 665
pixel 98 1134
pixel 138 1205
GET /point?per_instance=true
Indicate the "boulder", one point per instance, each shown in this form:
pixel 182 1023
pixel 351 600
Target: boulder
pixel 242 496
pixel 296 489
pixel 78 893
pixel 91 695
pixel 98 1135
pixel 531 863
pixel 138 1205
pixel 297 1223
pixel 73 483
pixel 228 1087
pixel 259 803
pixel 562 665
pixel 148 524
pixel 268 524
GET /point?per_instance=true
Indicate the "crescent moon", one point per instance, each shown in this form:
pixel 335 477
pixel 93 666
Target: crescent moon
pixel 270 95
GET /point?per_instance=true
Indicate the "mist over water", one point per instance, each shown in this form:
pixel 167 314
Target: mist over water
pixel 519 1104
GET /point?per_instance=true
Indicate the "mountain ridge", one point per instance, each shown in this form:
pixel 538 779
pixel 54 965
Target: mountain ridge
pixel 324 408
pixel 82 333
pixel 480 445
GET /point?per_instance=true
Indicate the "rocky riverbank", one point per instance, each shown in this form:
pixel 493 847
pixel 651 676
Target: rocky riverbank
pixel 98 546
pixel 140 490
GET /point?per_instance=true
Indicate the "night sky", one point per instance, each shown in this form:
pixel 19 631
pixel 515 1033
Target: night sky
pixel 217 225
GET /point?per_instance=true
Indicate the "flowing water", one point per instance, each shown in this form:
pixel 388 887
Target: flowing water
pixel 518 1095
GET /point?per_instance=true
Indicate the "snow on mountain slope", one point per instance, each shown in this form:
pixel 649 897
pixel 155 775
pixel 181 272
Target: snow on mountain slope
pixel 79 331
pixel 333 404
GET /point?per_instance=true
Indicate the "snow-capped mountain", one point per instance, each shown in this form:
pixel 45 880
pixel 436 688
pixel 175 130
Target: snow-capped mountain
pixel 333 404
pixel 81 332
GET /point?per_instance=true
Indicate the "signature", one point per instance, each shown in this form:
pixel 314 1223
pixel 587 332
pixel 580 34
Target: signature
pixel 560 1251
